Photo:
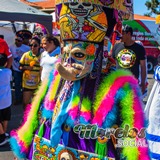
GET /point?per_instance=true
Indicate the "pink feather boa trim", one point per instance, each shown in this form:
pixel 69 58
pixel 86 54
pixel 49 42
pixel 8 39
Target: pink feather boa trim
pixel 102 111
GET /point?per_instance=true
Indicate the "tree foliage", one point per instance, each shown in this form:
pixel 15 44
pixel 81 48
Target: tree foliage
pixel 153 6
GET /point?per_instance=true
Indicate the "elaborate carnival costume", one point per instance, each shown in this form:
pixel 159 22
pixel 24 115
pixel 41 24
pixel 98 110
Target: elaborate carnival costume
pixel 152 110
pixel 83 109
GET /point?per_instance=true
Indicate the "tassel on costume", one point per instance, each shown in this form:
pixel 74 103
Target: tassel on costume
pixel 101 147
pixel 65 136
pixel 41 129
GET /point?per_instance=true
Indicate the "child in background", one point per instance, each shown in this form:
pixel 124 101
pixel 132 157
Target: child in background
pixel 5 98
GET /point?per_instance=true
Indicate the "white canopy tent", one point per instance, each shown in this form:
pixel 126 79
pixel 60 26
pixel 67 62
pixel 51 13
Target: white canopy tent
pixel 14 10
pixel 8 29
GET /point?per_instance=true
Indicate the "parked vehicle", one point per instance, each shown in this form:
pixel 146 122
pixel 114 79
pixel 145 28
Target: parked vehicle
pixel 148 32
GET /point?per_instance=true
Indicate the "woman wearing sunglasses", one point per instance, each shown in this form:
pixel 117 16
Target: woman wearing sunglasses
pixel 51 45
pixel 30 65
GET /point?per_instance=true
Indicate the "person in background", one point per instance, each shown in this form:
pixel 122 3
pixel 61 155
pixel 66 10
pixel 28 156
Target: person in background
pixel 5 49
pixel 17 50
pixel 5 98
pixel 152 110
pixel 30 65
pixel 39 35
pixel 130 55
pixel 49 57
pixel 26 35
pixel 146 81
pixel 1 36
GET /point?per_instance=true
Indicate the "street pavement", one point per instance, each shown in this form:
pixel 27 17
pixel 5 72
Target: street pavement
pixel 17 114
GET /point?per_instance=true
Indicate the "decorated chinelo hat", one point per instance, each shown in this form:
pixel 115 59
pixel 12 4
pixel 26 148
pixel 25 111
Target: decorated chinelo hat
pixel 89 20
pixel 122 5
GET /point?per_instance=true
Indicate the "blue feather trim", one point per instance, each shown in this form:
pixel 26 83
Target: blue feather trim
pixel 83 121
pixel 111 117
pixel 16 148
pixel 47 113
pixel 70 122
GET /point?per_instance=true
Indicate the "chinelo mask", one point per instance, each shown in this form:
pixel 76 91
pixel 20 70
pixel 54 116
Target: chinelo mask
pixel 79 61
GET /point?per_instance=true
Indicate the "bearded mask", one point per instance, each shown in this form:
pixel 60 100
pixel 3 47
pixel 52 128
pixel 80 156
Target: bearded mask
pixel 79 60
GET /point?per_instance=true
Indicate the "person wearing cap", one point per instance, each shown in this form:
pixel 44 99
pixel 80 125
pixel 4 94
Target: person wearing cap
pixel 26 35
pixel 17 50
pixel 5 49
pixel 131 55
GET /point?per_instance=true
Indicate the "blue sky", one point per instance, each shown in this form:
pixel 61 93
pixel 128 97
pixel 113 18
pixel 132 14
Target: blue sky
pixel 139 6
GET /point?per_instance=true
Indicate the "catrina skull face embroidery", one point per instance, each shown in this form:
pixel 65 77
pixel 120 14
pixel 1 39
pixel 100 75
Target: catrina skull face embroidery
pixel 66 156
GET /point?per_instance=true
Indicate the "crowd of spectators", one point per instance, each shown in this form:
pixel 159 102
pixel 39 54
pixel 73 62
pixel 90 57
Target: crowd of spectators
pixel 23 66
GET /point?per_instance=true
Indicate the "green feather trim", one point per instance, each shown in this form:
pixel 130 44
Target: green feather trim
pixel 86 105
pixel 127 112
pixel 127 115
pixel 25 133
pixel 107 83
pixel 75 101
pixel 130 152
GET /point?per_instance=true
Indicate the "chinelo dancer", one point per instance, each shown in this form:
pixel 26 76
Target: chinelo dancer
pixel 83 111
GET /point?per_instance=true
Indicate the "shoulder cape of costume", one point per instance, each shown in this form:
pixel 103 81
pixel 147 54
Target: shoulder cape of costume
pixel 116 102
